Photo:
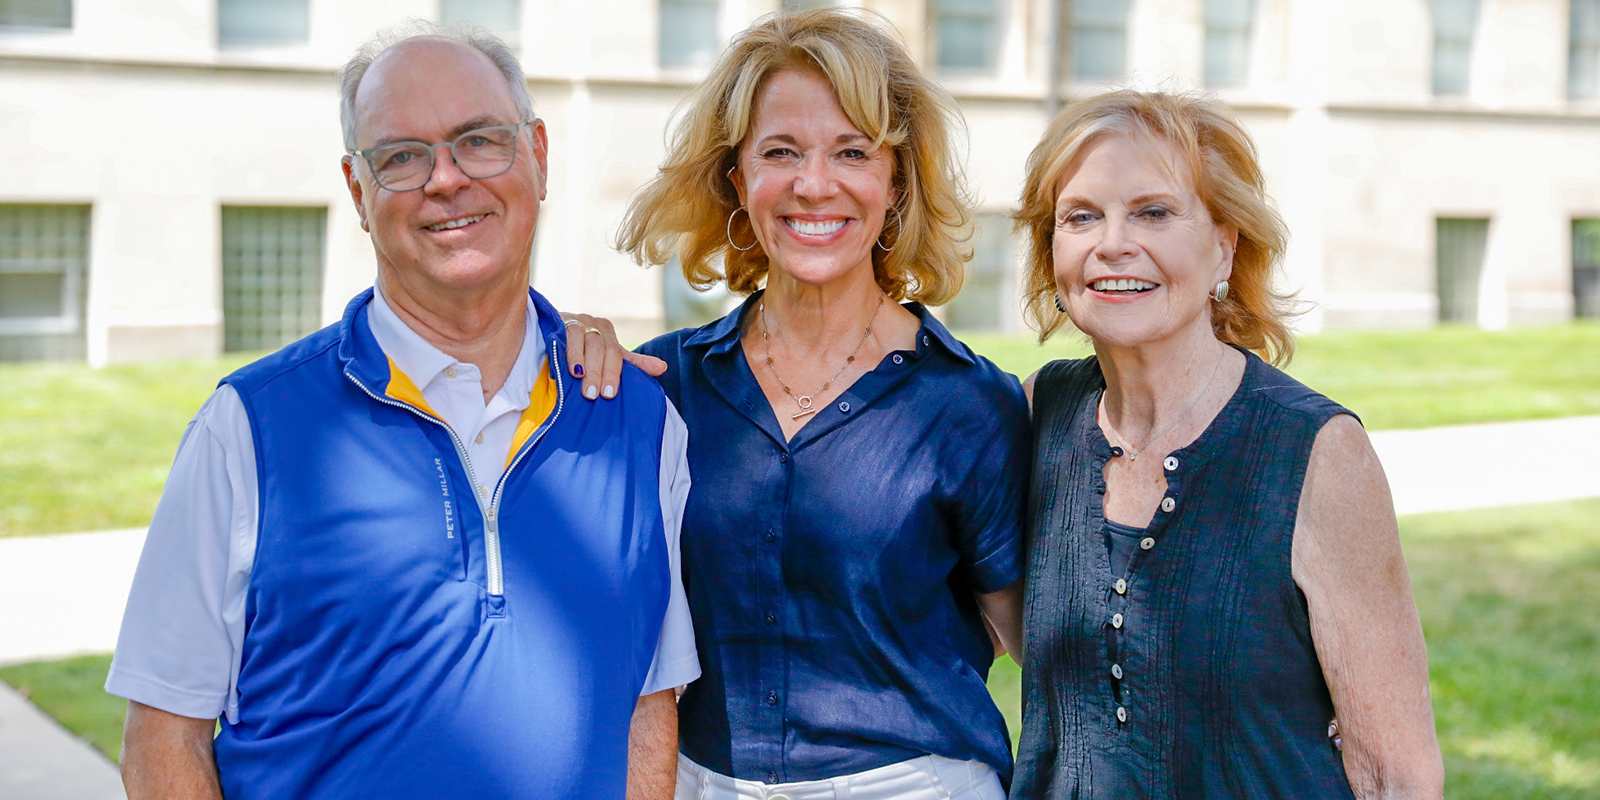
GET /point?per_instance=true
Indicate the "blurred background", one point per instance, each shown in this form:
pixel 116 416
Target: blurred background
pixel 171 206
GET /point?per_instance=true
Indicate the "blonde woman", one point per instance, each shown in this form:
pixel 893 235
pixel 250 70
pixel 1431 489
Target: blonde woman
pixel 858 473
pixel 1215 567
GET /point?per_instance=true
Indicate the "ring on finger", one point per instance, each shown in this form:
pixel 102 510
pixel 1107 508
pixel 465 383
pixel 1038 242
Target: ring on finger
pixel 569 323
pixel 588 330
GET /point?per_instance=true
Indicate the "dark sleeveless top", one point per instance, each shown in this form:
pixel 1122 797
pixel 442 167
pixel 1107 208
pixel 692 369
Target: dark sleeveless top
pixel 1192 674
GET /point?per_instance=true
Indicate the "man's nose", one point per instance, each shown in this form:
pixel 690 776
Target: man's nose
pixel 446 176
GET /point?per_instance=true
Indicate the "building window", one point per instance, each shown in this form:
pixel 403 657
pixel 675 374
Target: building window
pixel 503 18
pixel 1099 40
pixel 44 266
pixel 1458 258
pixel 271 275
pixel 1454 24
pixel 1583 50
pixel 966 35
pixel 257 23
pixel 981 304
pixel 683 306
pixel 36 14
pixel 688 33
pixel 1228 24
pixel 1586 267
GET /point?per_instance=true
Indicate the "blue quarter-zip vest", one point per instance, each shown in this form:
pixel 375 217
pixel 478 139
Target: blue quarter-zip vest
pixel 407 638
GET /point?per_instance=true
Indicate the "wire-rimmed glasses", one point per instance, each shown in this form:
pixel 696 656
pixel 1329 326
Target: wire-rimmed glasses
pixel 478 153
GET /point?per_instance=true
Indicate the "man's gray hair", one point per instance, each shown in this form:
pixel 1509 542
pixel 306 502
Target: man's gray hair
pixel 476 38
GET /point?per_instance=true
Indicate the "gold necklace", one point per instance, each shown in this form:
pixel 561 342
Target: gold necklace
pixel 1133 455
pixel 805 400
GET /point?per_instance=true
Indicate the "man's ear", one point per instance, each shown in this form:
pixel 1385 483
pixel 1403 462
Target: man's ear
pixel 541 154
pixel 352 181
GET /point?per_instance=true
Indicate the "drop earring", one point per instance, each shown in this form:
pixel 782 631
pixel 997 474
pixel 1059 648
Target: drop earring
pixel 1059 307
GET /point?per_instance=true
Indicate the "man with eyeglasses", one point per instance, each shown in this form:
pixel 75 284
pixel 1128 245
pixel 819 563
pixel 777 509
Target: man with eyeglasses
pixel 401 558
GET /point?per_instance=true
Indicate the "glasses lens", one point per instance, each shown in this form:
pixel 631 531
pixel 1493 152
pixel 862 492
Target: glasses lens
pixel 486 152
pixel 402 166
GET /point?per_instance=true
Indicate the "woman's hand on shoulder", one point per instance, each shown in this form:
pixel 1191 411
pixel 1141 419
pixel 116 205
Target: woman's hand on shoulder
pixel 595 355
pixel 1348 561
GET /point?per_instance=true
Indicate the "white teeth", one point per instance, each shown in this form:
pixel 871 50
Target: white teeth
pixel 456 223
pixel 815 228
pixel 1121 285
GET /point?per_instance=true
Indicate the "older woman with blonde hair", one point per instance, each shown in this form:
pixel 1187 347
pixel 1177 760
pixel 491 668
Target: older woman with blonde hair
pixel 1215 570
pixel 856 513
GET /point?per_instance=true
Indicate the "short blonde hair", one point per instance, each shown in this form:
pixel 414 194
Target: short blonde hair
pixel 685 209
pixel 1226 175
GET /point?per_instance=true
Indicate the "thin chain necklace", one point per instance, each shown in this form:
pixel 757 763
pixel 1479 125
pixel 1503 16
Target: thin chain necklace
pixel 805 400
pixel 1133 455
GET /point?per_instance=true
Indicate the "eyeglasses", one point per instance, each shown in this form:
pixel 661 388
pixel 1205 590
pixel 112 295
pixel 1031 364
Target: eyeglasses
pixel 479 153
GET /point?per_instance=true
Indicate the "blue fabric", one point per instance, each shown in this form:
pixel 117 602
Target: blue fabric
pixel 831 577
pixel 376 663
pixel 1220 682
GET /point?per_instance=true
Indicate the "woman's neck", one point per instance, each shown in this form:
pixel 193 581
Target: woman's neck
pixel 819 317
pixel 1151 388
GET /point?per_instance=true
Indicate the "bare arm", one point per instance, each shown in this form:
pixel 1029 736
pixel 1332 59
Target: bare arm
pixel 168 757
pixel 1347 560
pixel 1002 611
pixel 653 747
pixel 595 355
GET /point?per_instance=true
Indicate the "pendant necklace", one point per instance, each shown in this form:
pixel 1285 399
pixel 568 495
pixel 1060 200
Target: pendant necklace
pixel 805 400
pixel 1133 455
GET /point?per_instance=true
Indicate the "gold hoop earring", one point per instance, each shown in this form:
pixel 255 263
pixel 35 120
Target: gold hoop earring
pixel 730 231
pixel 899 225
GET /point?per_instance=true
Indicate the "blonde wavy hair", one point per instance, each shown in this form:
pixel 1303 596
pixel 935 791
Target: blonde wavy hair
pixel 684 210
pixel 1225 173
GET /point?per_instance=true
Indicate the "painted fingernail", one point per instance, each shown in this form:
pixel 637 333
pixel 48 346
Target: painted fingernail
pixel 577 370
pixel 591 392
pixel 610 392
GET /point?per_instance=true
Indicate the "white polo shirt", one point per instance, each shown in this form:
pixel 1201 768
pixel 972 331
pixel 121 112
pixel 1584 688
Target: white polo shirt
pixel 183 629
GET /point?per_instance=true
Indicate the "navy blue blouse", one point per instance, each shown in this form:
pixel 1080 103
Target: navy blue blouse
pixel 831 577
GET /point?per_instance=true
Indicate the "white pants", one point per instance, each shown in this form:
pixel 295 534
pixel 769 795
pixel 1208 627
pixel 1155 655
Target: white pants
pixel 925 778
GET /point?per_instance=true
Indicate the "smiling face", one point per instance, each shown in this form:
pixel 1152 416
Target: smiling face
pixel 816 191
pixel 1135 250
pixel 455 233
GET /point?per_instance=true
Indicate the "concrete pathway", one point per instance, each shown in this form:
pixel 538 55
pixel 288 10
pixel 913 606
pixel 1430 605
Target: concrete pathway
pixel 63 595
pixel 40 760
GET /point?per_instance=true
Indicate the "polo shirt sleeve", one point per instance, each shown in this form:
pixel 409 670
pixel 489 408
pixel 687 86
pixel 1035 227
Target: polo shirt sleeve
pixel 183 626
pixel 676 662
pixel 990 516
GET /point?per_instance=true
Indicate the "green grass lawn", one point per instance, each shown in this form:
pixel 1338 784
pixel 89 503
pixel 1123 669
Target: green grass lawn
pixel 84 449
pixel 1508 605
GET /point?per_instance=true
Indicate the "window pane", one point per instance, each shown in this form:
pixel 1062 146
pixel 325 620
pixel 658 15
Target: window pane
pixel 1458 256
pixel 688 33
pixel 500 17
pixel 1454 26
pixel 983 297
pixel 1099 39
pixel 271 275
pixel 967 34
pixel 1228 24
pixel 44 264
pixel 1583 50
pixel 1586 267
pixel 36 13
pixel 263 22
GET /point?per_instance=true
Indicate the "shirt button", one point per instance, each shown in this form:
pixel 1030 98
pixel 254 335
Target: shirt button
pixel 483 491
pixel 924 339
pixel 1116 452
pixel 783 458
pixel 845 407
pixel 771 536
pixel 1122 586
pixel 898 359
pixel 1146 543
pixel 1116 671
pixel 1167 503
pixel 1171 463
pixel 772 777
pixel 479 438
pixel 449 372
pixel 1122 714
pixel 772 619
pixel 1116 622
pixel 772 698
